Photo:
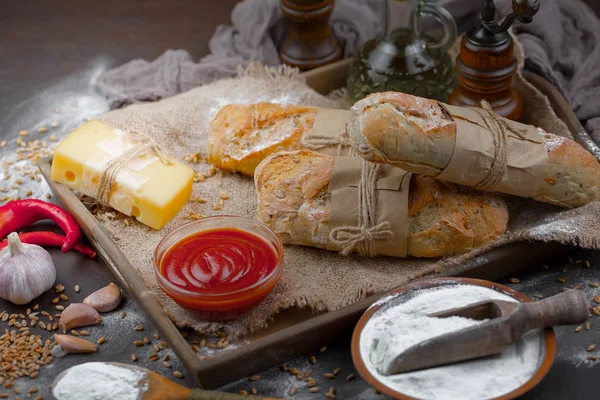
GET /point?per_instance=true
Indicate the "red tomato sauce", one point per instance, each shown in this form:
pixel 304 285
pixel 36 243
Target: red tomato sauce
pixel 218 261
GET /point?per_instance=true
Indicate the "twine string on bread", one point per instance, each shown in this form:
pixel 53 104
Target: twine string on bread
pixel 363 238
pixel 143 145
pixel 317 141
pixel 499 128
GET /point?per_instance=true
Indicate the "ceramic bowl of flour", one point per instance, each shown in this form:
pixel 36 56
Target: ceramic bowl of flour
pixel 399 320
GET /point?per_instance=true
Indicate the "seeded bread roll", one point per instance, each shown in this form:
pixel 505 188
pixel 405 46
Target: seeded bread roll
pixel 415 134
pixel 242 135
pixel 444 219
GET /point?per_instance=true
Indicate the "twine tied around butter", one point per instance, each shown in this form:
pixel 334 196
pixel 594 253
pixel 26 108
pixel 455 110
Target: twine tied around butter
pixel 362 238
pixel 144 145
pixel 499 128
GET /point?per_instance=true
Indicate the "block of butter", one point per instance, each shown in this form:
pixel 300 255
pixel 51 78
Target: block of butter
pixel 147 188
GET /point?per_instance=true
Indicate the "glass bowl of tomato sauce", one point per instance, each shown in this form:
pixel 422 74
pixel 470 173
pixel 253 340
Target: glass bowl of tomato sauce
pixel 220 266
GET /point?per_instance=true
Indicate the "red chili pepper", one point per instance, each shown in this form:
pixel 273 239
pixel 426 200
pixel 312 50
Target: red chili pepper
pixel 23 213
pixel 50 239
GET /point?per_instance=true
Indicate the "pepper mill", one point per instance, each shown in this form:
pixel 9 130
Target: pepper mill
pixel 486 63
pixel 308 41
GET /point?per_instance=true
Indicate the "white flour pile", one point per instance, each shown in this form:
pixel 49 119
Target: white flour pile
pixel 397 326
pixel 99 381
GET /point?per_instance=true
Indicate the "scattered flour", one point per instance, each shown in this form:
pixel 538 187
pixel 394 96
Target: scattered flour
pixel 99 381
pixel 397 326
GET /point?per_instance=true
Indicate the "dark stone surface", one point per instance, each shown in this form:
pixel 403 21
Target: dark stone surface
pixel 51 51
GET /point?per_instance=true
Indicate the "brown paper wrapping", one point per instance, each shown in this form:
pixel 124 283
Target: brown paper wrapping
pixel 474 151
pixel 328 135
pixel 391 202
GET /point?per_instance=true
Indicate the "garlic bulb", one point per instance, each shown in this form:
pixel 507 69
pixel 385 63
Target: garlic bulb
pixel 26 271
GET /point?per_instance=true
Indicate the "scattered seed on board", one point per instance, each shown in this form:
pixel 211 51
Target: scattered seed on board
pixel 311 384
pixel 84 333
pixel 293 391
pixel 139 328
pixel 514 280
pixel 166 364
pixel 586 263
pixel 578 329
pixel 255 378
pixel 323 349
pixel 591 347
pixel 178 374
pixel 101 340
pixel 351 377
pixel 560 280
pixel 254 391
pixel 337 371
pixel 63 297
pixel 593 285
pixel 330 395
pixel 329 375
pixel 591 358
pixel 138 343
pixel 596 312
pixel 243 392
pixel 123 314
pixel 314 390
pixel 133 357
pixel 146 340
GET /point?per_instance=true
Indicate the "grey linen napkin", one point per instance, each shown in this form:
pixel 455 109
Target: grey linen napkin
pixel 562 44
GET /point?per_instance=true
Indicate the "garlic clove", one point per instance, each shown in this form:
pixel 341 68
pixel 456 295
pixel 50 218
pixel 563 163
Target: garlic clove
pixel 26 271
pixel 78 315
pixel 106 299
pixel 71 344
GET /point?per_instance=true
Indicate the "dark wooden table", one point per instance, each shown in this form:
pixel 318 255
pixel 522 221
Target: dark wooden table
pixel 50 53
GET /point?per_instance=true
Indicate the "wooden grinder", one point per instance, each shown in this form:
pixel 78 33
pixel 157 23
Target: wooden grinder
pixel 308 41
pixel 486 63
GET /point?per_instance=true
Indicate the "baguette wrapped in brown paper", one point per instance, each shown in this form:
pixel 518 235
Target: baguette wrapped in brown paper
pixel 304 196
pixel 460 145
pixel 242 135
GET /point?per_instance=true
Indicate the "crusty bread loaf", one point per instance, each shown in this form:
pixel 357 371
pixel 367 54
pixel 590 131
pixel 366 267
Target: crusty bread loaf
pixel 416 134
pixel 444 218
pixel 242 135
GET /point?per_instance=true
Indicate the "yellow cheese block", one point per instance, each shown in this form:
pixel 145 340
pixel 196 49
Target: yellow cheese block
pixel 145 188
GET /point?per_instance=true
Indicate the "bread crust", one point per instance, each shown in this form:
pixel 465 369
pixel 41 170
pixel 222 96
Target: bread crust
pixel 416 134
pixel 242 135
pixel 444 219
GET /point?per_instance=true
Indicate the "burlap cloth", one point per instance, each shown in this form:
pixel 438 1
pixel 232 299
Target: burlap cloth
pixel 318 279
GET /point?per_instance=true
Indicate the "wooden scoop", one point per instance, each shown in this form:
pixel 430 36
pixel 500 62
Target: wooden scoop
pixel 508 321
pixel 158 387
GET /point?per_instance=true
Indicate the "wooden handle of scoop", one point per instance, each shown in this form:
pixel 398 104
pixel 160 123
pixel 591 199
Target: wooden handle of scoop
pixel 568 308
pixel 198 394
